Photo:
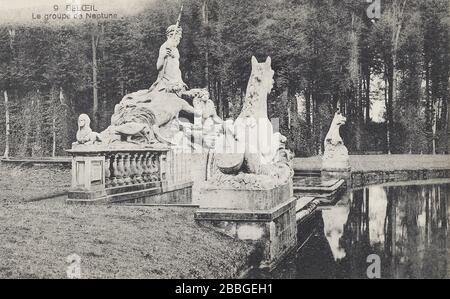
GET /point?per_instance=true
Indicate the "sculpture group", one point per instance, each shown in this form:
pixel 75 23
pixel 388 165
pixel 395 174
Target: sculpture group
pixel 245 186
pixel 245 152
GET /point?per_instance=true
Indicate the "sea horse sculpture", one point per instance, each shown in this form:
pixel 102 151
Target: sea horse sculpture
pixel 250 153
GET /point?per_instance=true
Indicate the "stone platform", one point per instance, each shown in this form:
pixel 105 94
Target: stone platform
pixel 254 200
pixel 328 190
pixel 265 217
pixel 361 178
pixel 305 208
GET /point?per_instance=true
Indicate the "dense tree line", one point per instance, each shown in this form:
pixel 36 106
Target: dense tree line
pixel 326 55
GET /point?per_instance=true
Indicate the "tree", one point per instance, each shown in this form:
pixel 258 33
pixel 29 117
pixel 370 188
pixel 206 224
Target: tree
pixel 325 53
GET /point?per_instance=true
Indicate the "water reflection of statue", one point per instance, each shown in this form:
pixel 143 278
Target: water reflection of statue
pixel 334 223
pixel 377 209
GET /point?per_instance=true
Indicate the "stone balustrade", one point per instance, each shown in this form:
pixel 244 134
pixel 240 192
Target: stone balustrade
pixel 126 173
pixel 131 168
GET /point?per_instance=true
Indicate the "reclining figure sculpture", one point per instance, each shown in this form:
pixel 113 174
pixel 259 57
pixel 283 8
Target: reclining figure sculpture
pixel 150 116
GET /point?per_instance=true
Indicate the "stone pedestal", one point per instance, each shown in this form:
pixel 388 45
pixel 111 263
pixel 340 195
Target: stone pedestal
pixel 88 173
pixel 199 173
pixel 266 217
pixel 335 163
pixel 88 176
pixel 335 159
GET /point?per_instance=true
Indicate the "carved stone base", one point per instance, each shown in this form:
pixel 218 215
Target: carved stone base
pixel 335 159
pixel 336 164
pixel 266 217
pixel 143 194
pixel 129 174
pixel 88 174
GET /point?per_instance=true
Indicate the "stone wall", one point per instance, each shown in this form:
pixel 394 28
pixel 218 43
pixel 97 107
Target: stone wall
pixel 361 179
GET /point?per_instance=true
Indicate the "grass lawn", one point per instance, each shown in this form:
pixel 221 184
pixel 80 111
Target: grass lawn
pixel 38 234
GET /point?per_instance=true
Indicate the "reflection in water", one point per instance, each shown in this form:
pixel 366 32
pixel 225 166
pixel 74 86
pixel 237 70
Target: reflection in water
pixel 334 221
pixel 407 226
pixel 377 214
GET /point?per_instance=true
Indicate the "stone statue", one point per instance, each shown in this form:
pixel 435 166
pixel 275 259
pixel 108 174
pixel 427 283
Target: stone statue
pixel 255 156
pixel 85 135
pixel 207 124
pixel 147 122
pixel 206 110
pixel 249 173
pixel 169 74
pixel 150 116
pixel 168 64
pixel 336 154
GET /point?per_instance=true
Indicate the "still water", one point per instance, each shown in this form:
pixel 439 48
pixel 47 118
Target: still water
pixel 406 226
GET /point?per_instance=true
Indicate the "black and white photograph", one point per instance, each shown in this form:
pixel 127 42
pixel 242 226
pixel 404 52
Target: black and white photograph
pixel 224 145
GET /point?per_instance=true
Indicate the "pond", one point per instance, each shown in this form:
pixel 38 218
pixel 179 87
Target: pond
pixel 405 228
